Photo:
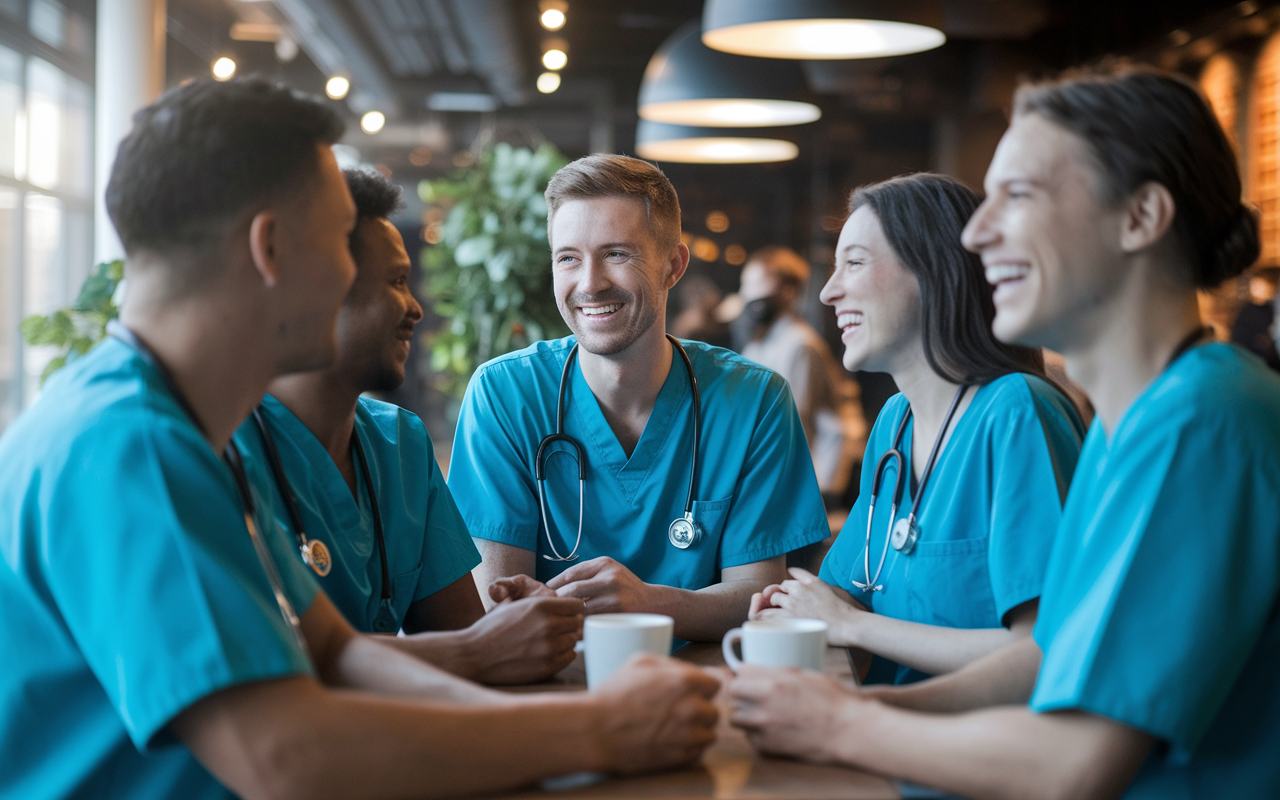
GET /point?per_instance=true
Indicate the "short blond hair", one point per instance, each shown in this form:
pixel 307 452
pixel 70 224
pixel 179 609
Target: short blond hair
pixel 783 263
pixel 605 175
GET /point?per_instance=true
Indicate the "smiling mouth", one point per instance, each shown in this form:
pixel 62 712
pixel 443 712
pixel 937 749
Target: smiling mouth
pixel 1006 276
pixel 600 311
pixel 849 321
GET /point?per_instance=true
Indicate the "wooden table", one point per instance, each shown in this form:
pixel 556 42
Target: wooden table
pixel 730 769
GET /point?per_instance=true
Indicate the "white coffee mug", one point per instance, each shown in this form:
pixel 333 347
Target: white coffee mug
pixel 778 643
pixel 610 639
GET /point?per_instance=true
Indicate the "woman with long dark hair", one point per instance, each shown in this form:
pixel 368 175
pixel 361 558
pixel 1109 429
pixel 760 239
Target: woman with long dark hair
pixel 1112 198
pixel 942 559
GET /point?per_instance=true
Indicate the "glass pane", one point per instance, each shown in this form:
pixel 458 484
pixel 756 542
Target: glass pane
pixel 12 120
pixel 12 8
pixel 10 308
pixel 49 22
pixel 60 130
pixel 44 277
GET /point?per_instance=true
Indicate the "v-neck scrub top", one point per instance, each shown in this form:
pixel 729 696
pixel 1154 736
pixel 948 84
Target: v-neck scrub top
pixel 987 520
pixel 428 546
pixel 129 587
pixel 1161 609
pixel 756 497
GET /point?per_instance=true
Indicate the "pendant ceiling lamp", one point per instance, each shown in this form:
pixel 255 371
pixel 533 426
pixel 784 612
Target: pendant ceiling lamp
pixel 688 83
pixel 822 29
pixel 688 144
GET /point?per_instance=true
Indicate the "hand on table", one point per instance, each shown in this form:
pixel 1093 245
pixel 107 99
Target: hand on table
pixel 526 640
pixel 657 713
pixel 518 587
pixel 605 585
pixel 790 712
pixel 806 596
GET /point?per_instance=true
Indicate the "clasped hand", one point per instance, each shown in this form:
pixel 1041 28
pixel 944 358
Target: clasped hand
pixel 605 586
pixel 806 596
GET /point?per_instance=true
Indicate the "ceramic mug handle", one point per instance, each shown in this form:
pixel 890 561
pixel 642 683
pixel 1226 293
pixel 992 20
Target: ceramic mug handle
pixel 726 647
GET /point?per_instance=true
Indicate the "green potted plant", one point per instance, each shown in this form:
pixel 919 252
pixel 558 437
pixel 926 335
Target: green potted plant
pixel 75 330
pixel 490 273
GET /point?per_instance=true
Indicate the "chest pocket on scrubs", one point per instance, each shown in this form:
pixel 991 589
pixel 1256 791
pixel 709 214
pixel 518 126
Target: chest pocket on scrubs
pixel 402 589
pixel 949 583
pixel 711 514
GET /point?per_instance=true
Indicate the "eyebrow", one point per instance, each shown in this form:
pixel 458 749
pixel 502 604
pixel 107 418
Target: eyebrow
pixel 854 246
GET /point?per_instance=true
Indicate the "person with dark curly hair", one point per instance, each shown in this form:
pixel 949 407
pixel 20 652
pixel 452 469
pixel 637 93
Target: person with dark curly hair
pixel 1112 197
pixel 334 455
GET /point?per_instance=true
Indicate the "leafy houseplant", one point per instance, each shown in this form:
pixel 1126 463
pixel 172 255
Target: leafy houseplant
pixel 490 274
pixel 77 329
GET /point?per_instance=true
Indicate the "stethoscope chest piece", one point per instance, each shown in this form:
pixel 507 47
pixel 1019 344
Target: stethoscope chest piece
pixel 316 555
pixel 905 535
pixel 684 532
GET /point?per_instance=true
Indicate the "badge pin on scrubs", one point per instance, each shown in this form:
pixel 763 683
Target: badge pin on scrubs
pixel 316 555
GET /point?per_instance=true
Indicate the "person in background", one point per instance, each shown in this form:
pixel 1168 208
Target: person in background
pixel 1111 198
pixel 697 298
pixel 407 563
pixel 161 637
pixel 635 513
pixel 825 395
pixel 973 458
pixel 1255 326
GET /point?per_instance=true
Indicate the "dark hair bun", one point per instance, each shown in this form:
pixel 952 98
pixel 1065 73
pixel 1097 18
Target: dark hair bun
pixel 1238 250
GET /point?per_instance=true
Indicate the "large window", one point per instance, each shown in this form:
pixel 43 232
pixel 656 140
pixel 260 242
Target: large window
pixel 46 177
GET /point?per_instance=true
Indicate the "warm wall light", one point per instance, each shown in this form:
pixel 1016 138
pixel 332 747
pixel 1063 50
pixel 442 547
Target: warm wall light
pixel 420 156
pixel 223 69
pixel 372 121
pixel 555 58
pixel 552 19
pixel 717 222
pixel 548 82
pixel 820 29
pixel 337 87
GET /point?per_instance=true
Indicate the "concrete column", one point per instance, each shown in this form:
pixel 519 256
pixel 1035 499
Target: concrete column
pixel 130 74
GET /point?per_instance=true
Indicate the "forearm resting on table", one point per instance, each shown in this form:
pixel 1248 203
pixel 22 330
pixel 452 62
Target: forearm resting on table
pixel 996 753
pixel 292 738
pixel 932 649
pixel 706 615
pixel 454 652
pixel 499 560
pixel 1006 676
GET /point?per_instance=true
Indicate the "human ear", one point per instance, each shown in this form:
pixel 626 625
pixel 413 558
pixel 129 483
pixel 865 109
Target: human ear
pixel 678 263
pixel 264 228
pixel 1148 217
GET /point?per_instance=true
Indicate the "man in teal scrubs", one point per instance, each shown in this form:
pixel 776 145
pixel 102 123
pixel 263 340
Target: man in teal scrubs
pixel 410 565
pixel 159 637
pixel 614 230
pixel 1111 198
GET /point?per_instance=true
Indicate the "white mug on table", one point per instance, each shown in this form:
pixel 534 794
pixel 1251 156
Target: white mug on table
pixel 610 639
pixel 778 643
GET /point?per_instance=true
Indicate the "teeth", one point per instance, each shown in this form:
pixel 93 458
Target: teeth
pixel 998 273
pixel 850 318
pixel 595 312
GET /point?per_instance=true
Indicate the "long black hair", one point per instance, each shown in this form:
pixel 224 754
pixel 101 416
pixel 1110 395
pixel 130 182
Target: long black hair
pixel 922 216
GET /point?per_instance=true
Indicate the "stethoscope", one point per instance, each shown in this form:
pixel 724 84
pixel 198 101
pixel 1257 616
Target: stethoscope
pixel 903 534
pixel 683 532
pixel 232 457
pixel 314 553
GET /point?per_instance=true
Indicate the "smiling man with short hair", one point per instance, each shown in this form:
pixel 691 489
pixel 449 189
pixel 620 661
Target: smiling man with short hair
pixel 624 391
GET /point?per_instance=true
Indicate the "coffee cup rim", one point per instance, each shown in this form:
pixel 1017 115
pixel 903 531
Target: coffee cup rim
pixel 628 620
pixel 785 625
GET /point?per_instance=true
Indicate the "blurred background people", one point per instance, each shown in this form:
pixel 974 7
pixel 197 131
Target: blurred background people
pixel 776 337
pixel 1255 326
pixel 697 298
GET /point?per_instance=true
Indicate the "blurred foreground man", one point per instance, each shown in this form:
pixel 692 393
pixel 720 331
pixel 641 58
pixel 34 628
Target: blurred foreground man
pixel 362 479
pixel 160 638
pixel 779 339
pixel 657 514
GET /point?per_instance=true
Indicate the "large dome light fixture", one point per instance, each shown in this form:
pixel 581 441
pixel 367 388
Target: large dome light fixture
pixel 688 83
pixel 822 29
pixel 699 145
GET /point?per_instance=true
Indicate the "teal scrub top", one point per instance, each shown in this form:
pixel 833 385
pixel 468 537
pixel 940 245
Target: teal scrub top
pixel 1161 609
pixel 987 520
pixel 129 587
pixel 756 497
pixel 428 546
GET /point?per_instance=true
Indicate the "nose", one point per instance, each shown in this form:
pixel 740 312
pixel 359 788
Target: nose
pixel 831 291
pixel 414 312
pixel 593 278
pixel 980 232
